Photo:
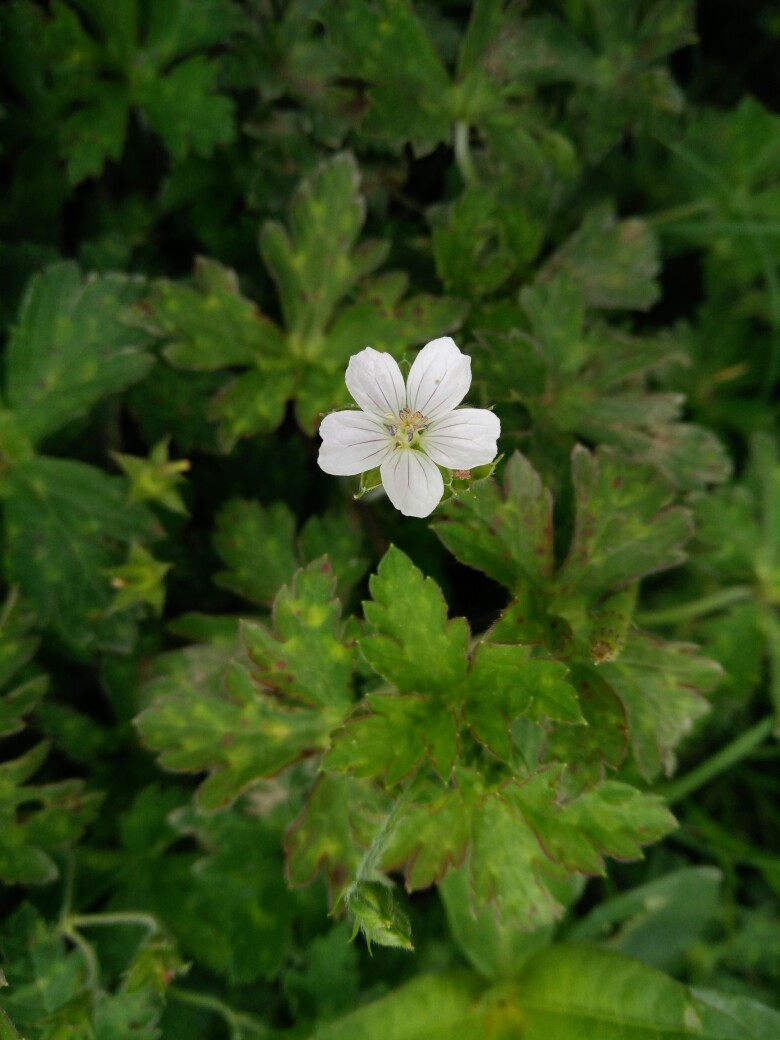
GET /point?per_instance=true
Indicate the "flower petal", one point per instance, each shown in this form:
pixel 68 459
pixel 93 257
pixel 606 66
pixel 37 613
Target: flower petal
pixel 375 381
pixel 439 378
pixel 352 442
pixel 412 482
pixel 462 439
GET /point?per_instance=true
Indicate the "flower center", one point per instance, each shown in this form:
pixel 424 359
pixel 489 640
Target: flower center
pixel 407 428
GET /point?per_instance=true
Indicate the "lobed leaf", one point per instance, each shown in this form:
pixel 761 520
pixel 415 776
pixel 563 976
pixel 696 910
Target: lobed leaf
pixel 72 346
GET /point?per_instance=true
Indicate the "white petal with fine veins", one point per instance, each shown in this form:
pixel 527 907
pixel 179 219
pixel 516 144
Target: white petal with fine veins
pixel 375 382
pixel 413 483
pixel 352 443
pixel 439 378
pixel 463 439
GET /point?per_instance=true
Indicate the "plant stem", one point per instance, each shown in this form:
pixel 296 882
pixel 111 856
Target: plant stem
pixel 373 853
pixel 463 154
pixel 239 1025
pixel 706 605
pixel 720 762
pixel 122 917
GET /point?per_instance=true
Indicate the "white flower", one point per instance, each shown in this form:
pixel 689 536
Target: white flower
pixel 409 430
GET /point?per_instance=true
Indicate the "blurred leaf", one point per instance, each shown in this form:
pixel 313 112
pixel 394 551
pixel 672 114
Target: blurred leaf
pixel 656 922
pixel 614 262
pixel 210 325
pixel 317 262
pixel 71 347
pixel 66 524
pixel 625 526
pixel 35 819
pixel 661 686
pixel 257 543
pixel 385 44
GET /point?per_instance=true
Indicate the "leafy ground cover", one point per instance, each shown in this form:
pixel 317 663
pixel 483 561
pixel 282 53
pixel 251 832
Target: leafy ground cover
pixel 279 761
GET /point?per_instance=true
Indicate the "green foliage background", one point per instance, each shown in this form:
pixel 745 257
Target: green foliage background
pixel 523 754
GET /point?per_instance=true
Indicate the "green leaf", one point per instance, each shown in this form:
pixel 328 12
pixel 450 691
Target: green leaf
pixel 43 972
pixel 327 835
pixel 71 347
pixel 61 812
pixel 394 738
pixel 565 992
pixel 17 643
pixel 413 645
pixel 430 838
pixel 625 526
pixel 316 264
pixel 661 686
pixel 243 722
pixel 555 308
pixel 509 536
pixel 237 910
pixel 237 734
pixel 185 110
pixel 656 922
pixel 506 682
pixel 251 404
pixel 602 742
pixel 210 325
pixel 614 262
pixel 305 659
pixel 257 544
pixel 385 44
pixel 66 525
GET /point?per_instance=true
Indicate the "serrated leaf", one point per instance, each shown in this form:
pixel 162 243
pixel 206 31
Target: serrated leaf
pixel 223 718
pixel 385 44
pixel 615 262
pixel 394 738
pixel 251 404
pixel 44 974
pixel 236 911
pixel 413 645
pixel 661 686
pixel 257 544
pixel 556 311
pixel 304 659
pixel 429 839
pixel 505 682
pixel 60 814
pixel 316 263
pixel 66 524
pixel 71 347
pixel 625 526
pixel 602 742
pixel 185 109
pixel 238 734
pixel 211 325
pixel 329 835
pixel 507 535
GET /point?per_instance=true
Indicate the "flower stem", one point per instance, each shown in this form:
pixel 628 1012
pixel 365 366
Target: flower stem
pixel 720 762
pixel 706 605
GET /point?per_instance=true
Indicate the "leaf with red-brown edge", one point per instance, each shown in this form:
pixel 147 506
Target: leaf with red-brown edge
pixel 661 686
pixel 625 526
pixel 305 658
pixel 505 683
pixel 394 738
pixel 429 839
pixel 332 832
pixel 601 743
pixel 506 533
